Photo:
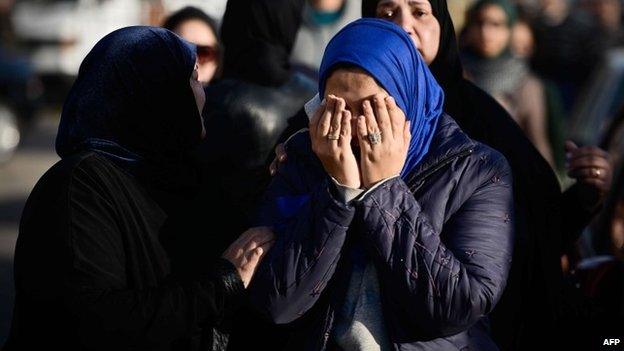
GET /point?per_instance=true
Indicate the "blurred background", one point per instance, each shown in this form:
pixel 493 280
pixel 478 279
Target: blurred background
pixel 556 65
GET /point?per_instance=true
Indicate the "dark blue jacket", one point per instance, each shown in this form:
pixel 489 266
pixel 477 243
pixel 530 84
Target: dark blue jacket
pixel 441 241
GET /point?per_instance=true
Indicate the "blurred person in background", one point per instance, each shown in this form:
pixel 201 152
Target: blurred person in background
pixel 532 305
pixel 247 110
pixel 19 85
pixel 490 64
pixel 95 260
pixel 322 19
pixel 608 15
pixel 567 48
pixel 522 46
pixel 200 29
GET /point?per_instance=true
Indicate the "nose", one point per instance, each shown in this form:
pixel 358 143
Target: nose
pixel 406 21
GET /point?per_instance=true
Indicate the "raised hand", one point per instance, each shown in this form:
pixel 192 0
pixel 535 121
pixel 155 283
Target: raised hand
pixel 330 133
pixel 248 250
pixel 384 138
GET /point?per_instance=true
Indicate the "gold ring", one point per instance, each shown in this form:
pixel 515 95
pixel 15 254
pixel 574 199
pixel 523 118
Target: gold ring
pixel 333 136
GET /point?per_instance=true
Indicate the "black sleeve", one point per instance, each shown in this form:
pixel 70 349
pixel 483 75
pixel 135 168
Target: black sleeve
pixel 111 315
pixel 579 206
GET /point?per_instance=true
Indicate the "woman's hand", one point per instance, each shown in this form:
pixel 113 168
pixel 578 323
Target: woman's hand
pixel 330 132
pixel 590 166
pixel 248 250
pixel 384 138
pixel 280 156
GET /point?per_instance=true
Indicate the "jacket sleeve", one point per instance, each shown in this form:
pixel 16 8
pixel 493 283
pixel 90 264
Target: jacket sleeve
pixel 448 279
pixel 310 224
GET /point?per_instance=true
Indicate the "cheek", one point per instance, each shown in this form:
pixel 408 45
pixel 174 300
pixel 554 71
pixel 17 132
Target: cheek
pixel 430 38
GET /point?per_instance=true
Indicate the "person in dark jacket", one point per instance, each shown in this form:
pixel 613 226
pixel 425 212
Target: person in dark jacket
pixel 402 241
pixel 248 109
pixel 91 268
pixel 537 306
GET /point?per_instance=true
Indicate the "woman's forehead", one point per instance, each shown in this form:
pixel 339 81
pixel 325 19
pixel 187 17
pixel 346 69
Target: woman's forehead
pixel 409 2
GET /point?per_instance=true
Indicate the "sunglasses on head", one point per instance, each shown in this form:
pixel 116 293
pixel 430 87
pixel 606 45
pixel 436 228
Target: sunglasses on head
pixel 207 53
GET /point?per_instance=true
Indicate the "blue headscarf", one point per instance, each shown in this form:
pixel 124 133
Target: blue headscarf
pixel 388 54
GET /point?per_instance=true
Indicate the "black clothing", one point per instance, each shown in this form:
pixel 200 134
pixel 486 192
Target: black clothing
pixel 258 37
pixel 99 263
pixel 91 272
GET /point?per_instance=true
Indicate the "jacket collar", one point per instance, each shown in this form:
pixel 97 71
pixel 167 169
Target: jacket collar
pixel 449 142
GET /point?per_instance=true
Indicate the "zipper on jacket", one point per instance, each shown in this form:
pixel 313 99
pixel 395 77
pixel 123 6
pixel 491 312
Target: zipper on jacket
pixel 437 167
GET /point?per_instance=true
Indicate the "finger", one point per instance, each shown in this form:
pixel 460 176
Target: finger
pixel 371 122
pixel 336 122
pixel 314 121
pixel 587 173
pixel 325 122
pixel 589 162
pixel 407 134
pixel 570 146
pixel 280 151
pixel 596 183
pixel 586 151
pixel 345 129
pixel 362 133
pixel 397 119
pixel 382 116
pixel 273 166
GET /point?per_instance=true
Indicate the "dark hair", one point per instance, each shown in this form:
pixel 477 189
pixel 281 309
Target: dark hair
pixel 190 13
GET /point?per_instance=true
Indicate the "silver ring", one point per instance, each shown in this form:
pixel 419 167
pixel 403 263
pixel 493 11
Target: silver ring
pixel 374 138
pixel 596 172
pixel 333 136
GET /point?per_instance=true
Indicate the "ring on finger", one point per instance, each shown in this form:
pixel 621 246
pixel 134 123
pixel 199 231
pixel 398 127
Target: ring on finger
pixel 374 138
pixel 596 172
pixel 333 136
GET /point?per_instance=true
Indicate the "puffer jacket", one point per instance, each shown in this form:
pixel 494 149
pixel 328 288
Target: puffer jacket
pixel 441 241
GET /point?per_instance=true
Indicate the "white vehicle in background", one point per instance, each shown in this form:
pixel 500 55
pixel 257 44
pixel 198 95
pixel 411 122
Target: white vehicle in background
pixel 59 33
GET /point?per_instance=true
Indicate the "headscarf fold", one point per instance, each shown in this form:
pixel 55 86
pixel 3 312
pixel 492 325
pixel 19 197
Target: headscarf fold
pixel 388 54
pixel 133 104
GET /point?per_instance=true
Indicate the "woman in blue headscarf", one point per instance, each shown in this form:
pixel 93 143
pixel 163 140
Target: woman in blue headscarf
pixel 394 229
pixel 95 261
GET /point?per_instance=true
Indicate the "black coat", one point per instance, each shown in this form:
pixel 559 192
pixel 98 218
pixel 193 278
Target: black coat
pixel 92 273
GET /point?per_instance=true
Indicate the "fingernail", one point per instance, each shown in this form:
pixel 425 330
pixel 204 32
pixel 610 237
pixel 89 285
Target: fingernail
pixel 568 155
pixel 390 100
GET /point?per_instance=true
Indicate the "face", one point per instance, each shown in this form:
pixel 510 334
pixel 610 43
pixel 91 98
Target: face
pixel 354 86
pixel 200 96
pixel 489 35
pixel 416 17
pixel 200 34
pixel 522 42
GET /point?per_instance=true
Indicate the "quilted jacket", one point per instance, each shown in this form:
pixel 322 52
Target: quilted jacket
pixel 441 239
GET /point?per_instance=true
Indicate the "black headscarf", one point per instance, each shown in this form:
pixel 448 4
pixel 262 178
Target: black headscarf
pixel 446 67
pixel 132 103
pixel 258 37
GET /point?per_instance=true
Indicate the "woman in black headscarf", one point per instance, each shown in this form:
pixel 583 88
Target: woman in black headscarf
pixel 248 109
pixel 535 300
pixel 91 269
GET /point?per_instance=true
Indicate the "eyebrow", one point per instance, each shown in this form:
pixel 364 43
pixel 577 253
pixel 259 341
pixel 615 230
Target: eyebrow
pixel 409 2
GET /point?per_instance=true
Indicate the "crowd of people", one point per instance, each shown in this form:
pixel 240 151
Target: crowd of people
pixel 329 175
